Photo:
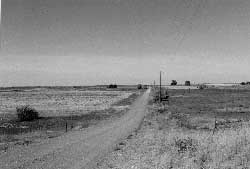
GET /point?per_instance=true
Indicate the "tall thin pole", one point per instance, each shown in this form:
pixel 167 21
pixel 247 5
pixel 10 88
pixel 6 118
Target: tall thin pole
pixel 160 86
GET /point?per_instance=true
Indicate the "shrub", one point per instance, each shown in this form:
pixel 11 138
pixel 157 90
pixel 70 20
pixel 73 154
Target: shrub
pixel 139 86
pixel 188 144
pixel 26 113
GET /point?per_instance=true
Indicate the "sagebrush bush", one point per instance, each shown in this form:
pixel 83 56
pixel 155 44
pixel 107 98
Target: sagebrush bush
pixel 26 113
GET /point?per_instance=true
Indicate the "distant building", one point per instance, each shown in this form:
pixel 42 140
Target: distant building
pixel 187 83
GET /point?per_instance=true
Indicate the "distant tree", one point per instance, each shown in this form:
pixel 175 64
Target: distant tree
pixel 243 83
pixel 248 83
pixel 139 86
pixel 112 86
pixel 187 83
pixel 173 83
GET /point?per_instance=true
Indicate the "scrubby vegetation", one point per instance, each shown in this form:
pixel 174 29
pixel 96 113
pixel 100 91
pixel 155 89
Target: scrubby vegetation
pixel 193 131
pixel 182 144
pixel 26 113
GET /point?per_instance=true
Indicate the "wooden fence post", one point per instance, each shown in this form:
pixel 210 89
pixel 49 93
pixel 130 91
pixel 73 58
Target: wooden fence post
pixel 66 127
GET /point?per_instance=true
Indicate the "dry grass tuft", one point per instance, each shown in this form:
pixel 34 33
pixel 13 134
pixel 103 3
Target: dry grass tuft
pixel 181 148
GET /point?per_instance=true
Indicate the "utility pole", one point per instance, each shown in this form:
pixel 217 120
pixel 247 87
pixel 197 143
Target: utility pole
pixel 160 86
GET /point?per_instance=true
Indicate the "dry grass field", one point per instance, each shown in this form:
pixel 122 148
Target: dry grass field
pixel 200 129
pixel 60 110
pixel 60 102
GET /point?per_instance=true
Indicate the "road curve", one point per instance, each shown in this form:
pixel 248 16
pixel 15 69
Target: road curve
pixel 77 149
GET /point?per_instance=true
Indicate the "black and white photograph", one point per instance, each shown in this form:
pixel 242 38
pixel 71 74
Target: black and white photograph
pixel 124 84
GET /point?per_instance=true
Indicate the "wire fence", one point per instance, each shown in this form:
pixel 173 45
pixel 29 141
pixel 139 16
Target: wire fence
pixel 10 129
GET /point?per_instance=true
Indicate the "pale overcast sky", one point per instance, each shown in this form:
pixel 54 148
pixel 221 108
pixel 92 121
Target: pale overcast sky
pixel 88 42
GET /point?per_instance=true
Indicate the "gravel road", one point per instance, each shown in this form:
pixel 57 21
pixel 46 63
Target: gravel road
pixel 77 149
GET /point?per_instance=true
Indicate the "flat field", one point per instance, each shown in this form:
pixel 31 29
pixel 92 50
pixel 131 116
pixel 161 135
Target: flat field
pixel 61 109
pixel 206 129
pixel 60 102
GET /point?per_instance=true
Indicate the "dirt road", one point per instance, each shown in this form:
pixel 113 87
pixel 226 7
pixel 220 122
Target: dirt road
pixel 78 149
